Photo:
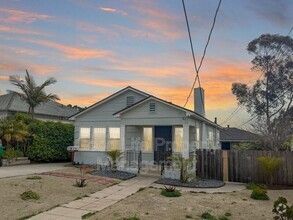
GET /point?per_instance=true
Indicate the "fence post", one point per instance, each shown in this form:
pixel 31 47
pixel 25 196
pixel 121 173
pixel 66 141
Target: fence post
pixel 225 166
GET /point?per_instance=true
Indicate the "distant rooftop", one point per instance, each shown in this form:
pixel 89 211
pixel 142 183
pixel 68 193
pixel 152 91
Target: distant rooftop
pixel 235 134
pixel 13 102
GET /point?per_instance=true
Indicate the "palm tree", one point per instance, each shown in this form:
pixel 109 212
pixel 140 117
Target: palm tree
pixel 12 130
pixel 115 156
pixel 33 94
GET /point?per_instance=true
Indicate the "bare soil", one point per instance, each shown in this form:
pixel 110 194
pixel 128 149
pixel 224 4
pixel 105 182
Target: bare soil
pixel 53 191
pixel 149 204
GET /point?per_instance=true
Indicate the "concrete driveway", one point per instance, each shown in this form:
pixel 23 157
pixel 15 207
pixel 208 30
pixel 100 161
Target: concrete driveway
pixel 30 169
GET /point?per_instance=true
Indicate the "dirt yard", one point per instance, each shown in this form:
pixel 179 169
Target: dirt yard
pixel 53 191
pixel 149 204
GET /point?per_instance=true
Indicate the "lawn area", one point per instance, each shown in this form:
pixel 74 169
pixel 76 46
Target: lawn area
pixel 149 204
pixel 53 191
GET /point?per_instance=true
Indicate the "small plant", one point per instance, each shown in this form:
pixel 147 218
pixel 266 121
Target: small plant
pixel 115 156
pixel 34 178
pixel 207 216
pixel 132 218
pixel 252 186
pixel 82 181
pixel 228 214
pixel 11 154
pixel 30 195
pixel 141 189
pixel 282 210
pixel 174 193
pixel 270 165
pixel 259 194
pixel 188 216
pixel 185 165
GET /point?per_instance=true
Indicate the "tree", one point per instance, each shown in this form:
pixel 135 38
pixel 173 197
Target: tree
pixel 271 96
pixel 33 94
pixel 12 130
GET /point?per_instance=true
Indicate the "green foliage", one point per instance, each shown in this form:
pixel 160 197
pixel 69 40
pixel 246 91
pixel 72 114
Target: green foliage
pixel 115 156
pixel 167 193
pixel 259 194
pixel 30 195
pixel 185 165
pixel 208 216
pixel 270 166
pixel 132 218
pixel 252 186
pixel 10 153
pixel 50 142
pixel 228 214
pixel 34 178
pixel 12 129
pixel 188 216
pixel 282 210
pixel 33 94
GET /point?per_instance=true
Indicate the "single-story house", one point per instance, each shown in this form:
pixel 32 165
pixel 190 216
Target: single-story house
pixel 136 122
pixel 12 103
pixel 233 136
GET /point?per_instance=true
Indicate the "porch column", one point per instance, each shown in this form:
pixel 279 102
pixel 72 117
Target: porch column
pixel 185 152
pixel 122 138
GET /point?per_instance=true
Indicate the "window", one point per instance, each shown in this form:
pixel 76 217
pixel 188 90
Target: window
pixel 84 138
pixel 99 139
pixel 114 138
pixel 148 139
pixel 129 100
pixel 178 139
pixel 152 107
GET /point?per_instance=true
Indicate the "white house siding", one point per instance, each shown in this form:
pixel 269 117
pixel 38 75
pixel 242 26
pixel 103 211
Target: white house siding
pixel 105 111
pixel 3 114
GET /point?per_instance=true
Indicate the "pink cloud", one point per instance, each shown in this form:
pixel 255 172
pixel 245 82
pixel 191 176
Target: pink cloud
pixel 17 16
pixel 113 10
pixel 15 30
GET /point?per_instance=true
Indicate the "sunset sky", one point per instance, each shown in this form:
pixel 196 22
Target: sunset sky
pixel 97 47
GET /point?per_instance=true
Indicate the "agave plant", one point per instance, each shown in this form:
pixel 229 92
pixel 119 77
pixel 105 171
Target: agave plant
pixel 115 155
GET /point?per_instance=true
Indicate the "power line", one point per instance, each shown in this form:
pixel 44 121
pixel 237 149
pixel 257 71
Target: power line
pixel 197 69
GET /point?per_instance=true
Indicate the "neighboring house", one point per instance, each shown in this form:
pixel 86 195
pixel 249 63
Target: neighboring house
pixel 133 121
pixel 51 111
pixel 234 136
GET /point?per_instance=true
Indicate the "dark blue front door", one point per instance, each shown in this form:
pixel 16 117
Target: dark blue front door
pixel 163 143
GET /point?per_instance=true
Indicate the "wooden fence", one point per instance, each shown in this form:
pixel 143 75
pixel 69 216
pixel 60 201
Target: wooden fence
pixel 242 166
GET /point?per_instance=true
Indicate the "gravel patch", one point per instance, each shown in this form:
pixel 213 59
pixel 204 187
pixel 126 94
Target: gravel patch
pixel 200 183
pixel 117 175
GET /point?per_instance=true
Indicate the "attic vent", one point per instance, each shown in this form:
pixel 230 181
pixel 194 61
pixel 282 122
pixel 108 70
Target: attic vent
pixel 129 100
pixel 152 107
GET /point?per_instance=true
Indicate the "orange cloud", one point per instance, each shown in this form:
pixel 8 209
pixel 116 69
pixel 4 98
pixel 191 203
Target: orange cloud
pixel 16 16
pixel 3 77
pixel 95 28
pixel 75 53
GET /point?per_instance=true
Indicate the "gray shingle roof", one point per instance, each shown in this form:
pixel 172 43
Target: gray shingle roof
pixel 13 102
pixel 235 134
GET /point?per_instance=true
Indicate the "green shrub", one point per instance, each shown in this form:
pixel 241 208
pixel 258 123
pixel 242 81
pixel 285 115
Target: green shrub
pixel 228 214
pixel 50 142
pixel 29 195
pixel 10 153
pixel 270 166
pixel 207 216
pixel 253 186
pixel 34 178
pixel 259 194
pixel 174 193
pixel 132 218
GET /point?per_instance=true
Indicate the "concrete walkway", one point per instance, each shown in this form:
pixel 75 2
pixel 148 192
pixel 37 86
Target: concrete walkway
pixel 97 201
pixel 21 170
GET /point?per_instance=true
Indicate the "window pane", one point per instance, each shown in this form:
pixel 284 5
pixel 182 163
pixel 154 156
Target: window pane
pixel 84 137
pixel 178 139
pixel 148 139
pixel 99 139
pixel 114 136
